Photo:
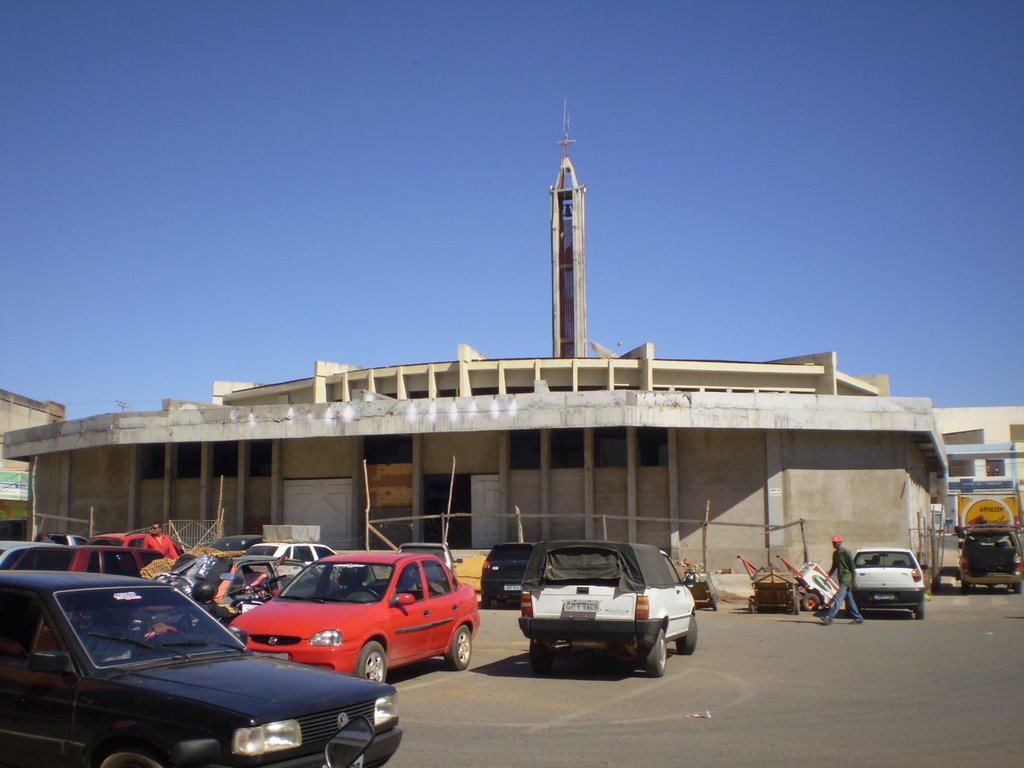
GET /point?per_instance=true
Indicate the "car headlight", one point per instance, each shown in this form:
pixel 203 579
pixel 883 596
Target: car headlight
pixel 326 637
pixel 385 709
pixel 270 737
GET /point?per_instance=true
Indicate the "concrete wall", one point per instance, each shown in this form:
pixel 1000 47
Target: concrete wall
pixel 854 483
pixel 727 469
pixel 318 457
pixel 475 453
pixel 524 491
pixel 653 501
pixel 566 505
pixel 100 479
pixel 610 498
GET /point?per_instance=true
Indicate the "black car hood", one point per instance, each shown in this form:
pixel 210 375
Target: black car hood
pixel 257 686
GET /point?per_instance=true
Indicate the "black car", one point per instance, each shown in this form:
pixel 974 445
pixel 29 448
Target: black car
pixel 114 672
pixel 502 574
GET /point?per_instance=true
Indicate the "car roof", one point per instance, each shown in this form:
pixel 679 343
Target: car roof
pixel 54 580
pixel 374 558
pixel 5 545
pixel 884 549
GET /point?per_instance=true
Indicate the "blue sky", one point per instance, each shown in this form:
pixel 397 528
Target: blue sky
pixel 193 191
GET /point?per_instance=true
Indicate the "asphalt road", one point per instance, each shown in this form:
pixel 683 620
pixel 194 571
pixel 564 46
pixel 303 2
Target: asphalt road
pixel 761 690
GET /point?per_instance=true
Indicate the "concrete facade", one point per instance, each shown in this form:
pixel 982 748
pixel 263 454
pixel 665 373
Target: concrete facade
pixel 984 447
pixel 755 445
pixel 19 412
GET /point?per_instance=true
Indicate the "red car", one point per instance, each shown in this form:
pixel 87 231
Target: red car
pixel 93 558
pixel 134 540
pixel 363 613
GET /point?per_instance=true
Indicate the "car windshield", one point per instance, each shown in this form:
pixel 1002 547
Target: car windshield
pixel 883 560
pixel 340 583
pixel 998 539
pixel 120 626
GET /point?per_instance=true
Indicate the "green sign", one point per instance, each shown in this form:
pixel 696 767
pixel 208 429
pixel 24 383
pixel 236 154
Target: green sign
pixel 14 485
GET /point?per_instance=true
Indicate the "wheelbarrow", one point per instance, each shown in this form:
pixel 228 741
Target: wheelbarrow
pixel 816 587
pixel 774 590
pixel 703 589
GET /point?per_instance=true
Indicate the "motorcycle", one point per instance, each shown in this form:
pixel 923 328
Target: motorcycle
pixel 225 586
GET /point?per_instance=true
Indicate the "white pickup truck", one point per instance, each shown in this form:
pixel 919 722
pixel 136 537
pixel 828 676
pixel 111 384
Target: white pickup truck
pixel 627 600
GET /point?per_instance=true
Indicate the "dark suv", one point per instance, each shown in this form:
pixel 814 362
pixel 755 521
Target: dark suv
pixel 502 575
pixel 990 555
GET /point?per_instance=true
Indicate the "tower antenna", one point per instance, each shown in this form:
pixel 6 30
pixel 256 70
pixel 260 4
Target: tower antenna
pixel 565 140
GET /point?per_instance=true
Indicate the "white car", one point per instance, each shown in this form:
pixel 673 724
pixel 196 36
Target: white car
pixel 302 552
pixel 888 577
pixel 627 600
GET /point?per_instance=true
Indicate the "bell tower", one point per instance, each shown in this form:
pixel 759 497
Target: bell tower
pixel 568 258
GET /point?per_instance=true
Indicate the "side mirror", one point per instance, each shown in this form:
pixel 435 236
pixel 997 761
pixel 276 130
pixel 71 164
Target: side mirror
pixel 50 661
pixel 924 568
pixel 402 599
pixel 350 743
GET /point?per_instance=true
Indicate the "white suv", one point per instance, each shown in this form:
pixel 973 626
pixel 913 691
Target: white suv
pixel 623 599
pixel 886 577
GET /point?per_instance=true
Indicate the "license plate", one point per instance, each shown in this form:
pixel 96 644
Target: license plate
pixel 580 607
pixel 883 596
pixel 513 587
pixel 271 655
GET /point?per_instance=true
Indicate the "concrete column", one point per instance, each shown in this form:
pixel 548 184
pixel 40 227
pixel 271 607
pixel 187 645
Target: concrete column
pixel 134 483
pixel 631 482
pixel 545 483
pixel 774 500
pixel 170 470
pixel 673 493
pixel 205 471
pixel 417 486
pixel 236 522
pixel 588 482
pixel 276 483
pixel 358 502
pixel 508 531
pixel 64 495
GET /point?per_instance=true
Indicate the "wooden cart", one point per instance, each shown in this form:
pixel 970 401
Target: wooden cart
pixel 703 589
pixel 815 586
pixel 774 590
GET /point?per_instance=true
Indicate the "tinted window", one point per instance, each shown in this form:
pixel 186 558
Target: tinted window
pixel 437 578
pixel 409 580
pixel 511 552
pixel 120 563
pixel 20 614
pixel 44 559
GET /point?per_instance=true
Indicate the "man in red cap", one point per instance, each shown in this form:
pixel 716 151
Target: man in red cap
pixel 842 572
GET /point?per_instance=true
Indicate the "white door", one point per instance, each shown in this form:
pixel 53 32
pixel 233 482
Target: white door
pixel 486 501
pixel 327 503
